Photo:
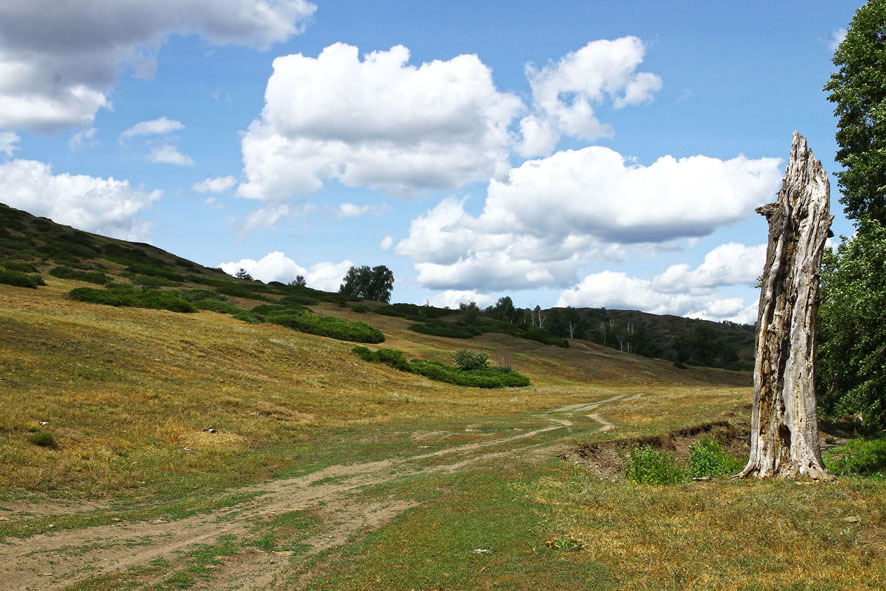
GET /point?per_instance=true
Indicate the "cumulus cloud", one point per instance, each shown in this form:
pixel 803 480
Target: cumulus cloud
pixel 452 298
pixel 276 266
pixel 169 154
pixel 104 206
pixel 728 264
pixel 8 141
pixel 56 66
pixel 617 290
pixel 350 210
pixel 386 243
pixel 214 185
pixel 564 92
pixel 378 121
pixel 551 216
pixel 160 126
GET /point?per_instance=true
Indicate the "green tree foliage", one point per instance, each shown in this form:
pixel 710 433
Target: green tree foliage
pixel 242 274
pixel 705 346
pixel 858 88
pixel 468 360
pixel 504 310
pixel 368 284
pixel 470 313
pixel 851 334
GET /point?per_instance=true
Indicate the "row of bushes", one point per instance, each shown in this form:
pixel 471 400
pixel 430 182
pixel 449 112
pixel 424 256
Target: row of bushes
pixel 127 296
pixel 483 377
pixel 96 277
pixel 19 279
pixel 414 312
pixel 458 330
pixel 327 326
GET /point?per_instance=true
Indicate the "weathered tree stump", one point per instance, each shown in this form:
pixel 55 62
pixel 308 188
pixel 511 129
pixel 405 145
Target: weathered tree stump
pixel 784 427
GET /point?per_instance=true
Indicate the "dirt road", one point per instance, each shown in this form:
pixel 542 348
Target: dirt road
pixel 59 559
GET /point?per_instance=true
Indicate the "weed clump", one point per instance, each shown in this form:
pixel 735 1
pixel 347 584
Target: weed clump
pixel 43 438
pixel 708 458
pixel 649 466
pixel 860 457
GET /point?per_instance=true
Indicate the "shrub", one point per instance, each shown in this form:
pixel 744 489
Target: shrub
pixel 413 312
pixel 250 317
pixel 214 305
pixel 43 438
pixel 708 458
pixel 488 377
pixel 391 357
pixel 860 457
pixel 96 277
pixel 126 296
pixel 19 266
pixel 327 326
pixel 296 299
pixel 20 279
pixel 648 466
pixel 468 360
pixel 240 291
pixel 156 269
pixel 449 330
pixel 153 281
pixel 360 309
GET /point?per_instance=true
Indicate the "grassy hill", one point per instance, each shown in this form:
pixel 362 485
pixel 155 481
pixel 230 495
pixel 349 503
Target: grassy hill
pixel 147 448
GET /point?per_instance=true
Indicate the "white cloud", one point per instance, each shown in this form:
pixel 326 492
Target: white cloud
pixel 836 39
pixel 84 138
pixel 57 65
pixel 386 243
pixel 214 185
pixel 212 203
pixel 350 210
pixel 8 141
pixel 451 298
pixel 564 93
pixel 618 290
pixel 105 206
pixel 169 154
pixel 161 126
pixel 553 215
pixel 377 121
pixel 728 264
pixel 276 266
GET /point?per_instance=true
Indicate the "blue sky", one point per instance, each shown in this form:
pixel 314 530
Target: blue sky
pixel 569 153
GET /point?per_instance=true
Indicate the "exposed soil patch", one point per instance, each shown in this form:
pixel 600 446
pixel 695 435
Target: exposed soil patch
pixel 605 459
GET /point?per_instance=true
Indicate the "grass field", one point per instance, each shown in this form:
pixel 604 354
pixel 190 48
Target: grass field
pixel 197 451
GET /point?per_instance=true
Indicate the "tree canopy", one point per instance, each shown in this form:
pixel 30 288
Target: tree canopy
pixel 858 88
pixel 368 284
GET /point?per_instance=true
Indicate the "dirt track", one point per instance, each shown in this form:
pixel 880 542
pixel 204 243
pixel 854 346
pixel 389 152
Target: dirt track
pixel 59 559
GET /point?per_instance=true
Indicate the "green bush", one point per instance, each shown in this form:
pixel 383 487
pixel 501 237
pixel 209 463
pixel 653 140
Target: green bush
pixel 449 330
pixel 414 312
pixel 327 326
pixel 708 458
pixel 20 279
pixel 96 277
pixel 240 291
pixel 155 270
pixel 19 266
pixel 488 377
pixel 360 309
pixel 299 300
pixel 214 305
pixel 43 438
pixel 154 281
pixel 649 466
pixel 468 360
pixel 860 457
pixel 250 317
pixel 126 296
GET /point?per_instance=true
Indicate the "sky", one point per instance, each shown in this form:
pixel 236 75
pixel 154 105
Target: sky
pixel 584 153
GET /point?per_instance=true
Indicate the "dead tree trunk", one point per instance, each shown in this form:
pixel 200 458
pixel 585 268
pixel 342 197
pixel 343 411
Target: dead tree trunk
pixel 784 427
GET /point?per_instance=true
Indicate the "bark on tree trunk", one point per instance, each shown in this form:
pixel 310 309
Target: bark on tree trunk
pixel 784 427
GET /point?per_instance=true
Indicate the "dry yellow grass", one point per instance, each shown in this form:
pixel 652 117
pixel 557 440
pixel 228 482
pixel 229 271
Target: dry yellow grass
pixel 124 390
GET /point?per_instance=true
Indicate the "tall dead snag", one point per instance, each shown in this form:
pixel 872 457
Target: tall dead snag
pixel 784 428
